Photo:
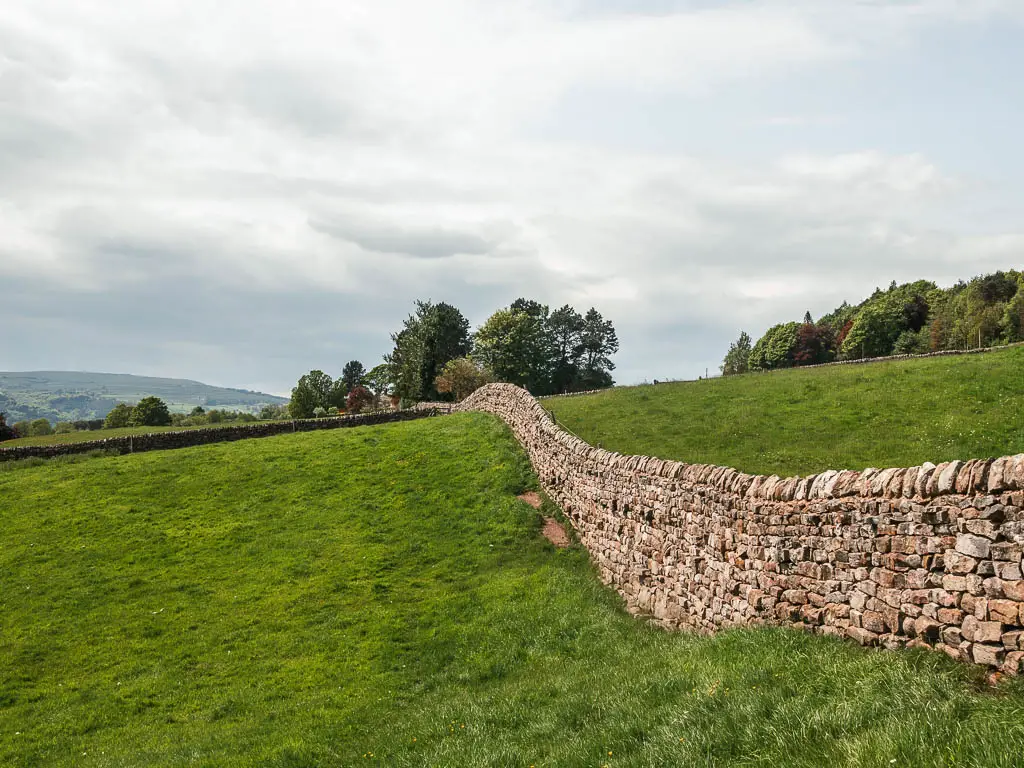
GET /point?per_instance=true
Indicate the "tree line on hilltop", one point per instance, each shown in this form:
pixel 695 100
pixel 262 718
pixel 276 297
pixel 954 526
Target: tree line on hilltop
pixel 913 318
pixel 435 356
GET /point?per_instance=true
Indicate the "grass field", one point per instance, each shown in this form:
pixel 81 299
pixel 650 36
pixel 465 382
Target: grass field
pixel 85 436
pixel 892 414
pixel 378 596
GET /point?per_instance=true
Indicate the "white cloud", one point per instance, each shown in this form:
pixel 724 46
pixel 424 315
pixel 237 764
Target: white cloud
pixel 264 151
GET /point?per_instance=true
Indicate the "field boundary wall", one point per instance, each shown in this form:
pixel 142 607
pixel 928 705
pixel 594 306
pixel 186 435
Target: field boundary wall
pixel 160 441
pixel 927 556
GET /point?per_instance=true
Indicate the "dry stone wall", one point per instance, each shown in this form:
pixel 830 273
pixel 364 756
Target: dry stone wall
pixel 924 556
pixel 159 441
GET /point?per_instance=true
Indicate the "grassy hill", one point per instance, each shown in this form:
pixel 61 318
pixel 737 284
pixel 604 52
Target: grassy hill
pixel 789 422
pixel 378 596
pixel 71 395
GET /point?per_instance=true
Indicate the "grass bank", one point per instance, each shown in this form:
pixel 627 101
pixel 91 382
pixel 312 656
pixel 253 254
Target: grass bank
pixel 799 422
pixel 378 596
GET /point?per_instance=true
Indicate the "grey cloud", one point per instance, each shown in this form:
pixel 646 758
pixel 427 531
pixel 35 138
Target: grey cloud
pixel 419 242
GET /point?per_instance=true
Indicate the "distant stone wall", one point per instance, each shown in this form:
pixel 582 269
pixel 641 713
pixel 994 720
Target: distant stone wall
pixel 924 556
pixel 159 441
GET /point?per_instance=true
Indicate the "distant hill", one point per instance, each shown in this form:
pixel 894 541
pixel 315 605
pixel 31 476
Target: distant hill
pixel 72 395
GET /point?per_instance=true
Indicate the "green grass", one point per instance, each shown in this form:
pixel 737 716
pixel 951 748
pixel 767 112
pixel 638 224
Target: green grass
pixel 378 596
pixel 85 436
pixel 799 422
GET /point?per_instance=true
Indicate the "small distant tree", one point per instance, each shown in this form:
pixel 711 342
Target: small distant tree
pixel 21 427
pixel 815 344
pixel 150 412
pixel 273 412
pixel 737 358
pixel 316 390
pixel 353 375
pixel 7 432
pixel 461 377
pixel 63 427
pixel 197 411
pixel 599 342
pixel 775 348
pixel 119 416
pixel 40 428
pixel 379 379
pixel 359 399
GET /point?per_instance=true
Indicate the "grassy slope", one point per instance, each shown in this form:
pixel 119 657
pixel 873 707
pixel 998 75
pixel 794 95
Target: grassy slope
pixel 102 434
pixel 379 596
pixel 805 421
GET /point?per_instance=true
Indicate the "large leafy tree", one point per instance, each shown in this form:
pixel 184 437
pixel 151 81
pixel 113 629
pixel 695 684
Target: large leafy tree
pixel 514 344
pixel 429 338
pixel 314 390
pixel 150 412
pixel 120 416
pixel 547 352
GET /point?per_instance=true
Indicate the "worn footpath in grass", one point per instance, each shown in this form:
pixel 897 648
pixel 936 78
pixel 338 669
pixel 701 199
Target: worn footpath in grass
pixel 378 596
pixel 891 414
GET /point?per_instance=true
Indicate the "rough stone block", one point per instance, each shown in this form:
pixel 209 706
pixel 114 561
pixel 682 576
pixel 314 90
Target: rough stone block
pixel 973 546
pixel 1005 611
pixel 862 636
pixel 990 655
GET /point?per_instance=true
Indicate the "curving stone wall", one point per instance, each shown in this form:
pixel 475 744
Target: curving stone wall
pixel 921 556
pixel 185 438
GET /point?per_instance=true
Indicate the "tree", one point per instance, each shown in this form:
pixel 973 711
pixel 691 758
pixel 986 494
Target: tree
pixel 273 412
pixel 119 416
pixel 461 377
pixel 197 411
pixel 430 337
pixel 737 359
pixel 815 344
pixel 150 412
pixel 379 379
pixel 359 399
pixel 775 348
pixel 599 342
pixel 7 432
pixel 565 326
pixel 874 331
pixel 514 345
pixel 315 390
pixel 40 428
pixel 353 375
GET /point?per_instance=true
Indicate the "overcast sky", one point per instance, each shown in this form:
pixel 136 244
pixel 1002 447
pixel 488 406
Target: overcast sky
pixel 240 191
